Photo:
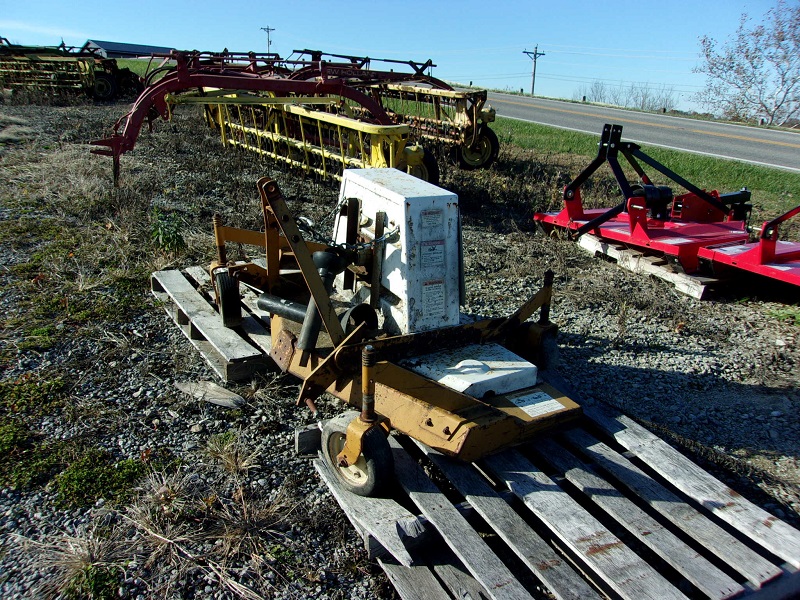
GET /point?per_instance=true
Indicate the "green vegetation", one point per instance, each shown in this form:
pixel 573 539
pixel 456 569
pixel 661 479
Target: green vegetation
pixel 29 461
pixel 788 314
pixel 31 396
pixel 94 475
pixel 774 191
pixel 98 582
pixel 166 232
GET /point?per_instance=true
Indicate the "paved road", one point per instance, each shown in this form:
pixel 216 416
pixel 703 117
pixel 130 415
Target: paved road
pixel 749 144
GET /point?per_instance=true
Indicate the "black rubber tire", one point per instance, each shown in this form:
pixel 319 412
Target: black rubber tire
pixel 130 85
pixel 230 303
pixel 104 87
pixel 373 473
pixel 428 170
pixel 482 153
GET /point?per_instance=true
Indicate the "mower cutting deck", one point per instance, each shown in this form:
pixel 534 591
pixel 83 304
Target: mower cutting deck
pixel 768 256
pixel 651 217
pixel 392 342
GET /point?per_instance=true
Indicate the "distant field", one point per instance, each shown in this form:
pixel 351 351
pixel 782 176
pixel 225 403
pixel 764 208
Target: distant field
pixel 774 191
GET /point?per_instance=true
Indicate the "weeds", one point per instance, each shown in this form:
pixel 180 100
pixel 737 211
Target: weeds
pixel 84 566
pixel 228 450
pixel 786 314
pixel 166 233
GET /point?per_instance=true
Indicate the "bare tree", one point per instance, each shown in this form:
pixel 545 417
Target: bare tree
pixel 756 74
pixel 638 95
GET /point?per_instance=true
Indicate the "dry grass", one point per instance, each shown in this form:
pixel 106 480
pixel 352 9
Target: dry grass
pixel 78 565
pixel 228 451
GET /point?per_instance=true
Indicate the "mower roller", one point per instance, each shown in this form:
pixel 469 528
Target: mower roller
pixel 391 342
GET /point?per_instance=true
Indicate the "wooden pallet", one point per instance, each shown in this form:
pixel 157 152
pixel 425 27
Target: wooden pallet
pixel 605 509
pixel 233 355
pixel 637 261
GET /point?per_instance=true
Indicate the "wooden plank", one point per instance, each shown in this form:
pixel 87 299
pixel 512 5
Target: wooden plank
pixel 773 534
pixel 413 583
pixel 228 344
pixel 636 262
pixel 603 553
pixel 688 562
pixel 738 556
pixel 382 518
pixel 551 569
pixel 255 324
pixel 227 371
pixel 454 576
pixel 164 281
pixel 465 542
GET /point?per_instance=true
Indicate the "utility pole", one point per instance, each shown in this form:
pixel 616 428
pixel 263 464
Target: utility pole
pixel 268 29
pixel 534 55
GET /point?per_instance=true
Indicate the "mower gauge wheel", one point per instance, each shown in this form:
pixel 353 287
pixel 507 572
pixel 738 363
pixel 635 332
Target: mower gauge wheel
pixel 230 304
pixel 427 171
pixel 373 471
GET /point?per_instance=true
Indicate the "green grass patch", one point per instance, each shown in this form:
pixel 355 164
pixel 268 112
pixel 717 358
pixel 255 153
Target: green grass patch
pixel 31 396
pixel 787 314
pixel 27 460
pixel 774 191
pixel 95 475
pixel 98 582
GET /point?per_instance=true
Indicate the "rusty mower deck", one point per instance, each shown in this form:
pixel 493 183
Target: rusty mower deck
pixel 455 416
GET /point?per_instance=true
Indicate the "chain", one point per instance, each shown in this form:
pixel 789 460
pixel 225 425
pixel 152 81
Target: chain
pixel 313 234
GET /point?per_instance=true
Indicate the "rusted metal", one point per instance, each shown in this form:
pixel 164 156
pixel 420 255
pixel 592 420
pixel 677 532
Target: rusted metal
pixel 368 384
pixel 363 369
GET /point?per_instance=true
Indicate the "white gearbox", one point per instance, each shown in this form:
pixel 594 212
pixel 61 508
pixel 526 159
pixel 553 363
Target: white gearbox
pixel 422 272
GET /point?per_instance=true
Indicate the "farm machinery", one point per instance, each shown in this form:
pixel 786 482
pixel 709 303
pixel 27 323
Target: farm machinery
pixel 695 232
pixel 256 107
pixel 65 70
pixel 390 340
pixel 436 112
pixel 319 116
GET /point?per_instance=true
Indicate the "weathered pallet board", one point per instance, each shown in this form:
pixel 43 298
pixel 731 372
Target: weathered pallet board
pixel 638 262
pixel 227 352
pixel 569 516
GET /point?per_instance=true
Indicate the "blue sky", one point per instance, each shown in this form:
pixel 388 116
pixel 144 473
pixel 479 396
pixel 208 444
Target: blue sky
pixel 619 42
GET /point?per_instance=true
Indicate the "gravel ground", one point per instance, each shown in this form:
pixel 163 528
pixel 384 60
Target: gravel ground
pixel 718 378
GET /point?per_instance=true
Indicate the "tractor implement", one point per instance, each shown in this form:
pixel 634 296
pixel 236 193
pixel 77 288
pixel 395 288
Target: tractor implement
pixel 65 70
pixel 293 132
pixel 436 112
pixel 767 256
pixel 650 217
pixel 465 389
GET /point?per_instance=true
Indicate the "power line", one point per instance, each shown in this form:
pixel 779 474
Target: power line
pixel 268 29
pixel 534 56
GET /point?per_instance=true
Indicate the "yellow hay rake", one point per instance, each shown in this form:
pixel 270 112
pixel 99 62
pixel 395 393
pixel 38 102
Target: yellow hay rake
pixel 301 132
